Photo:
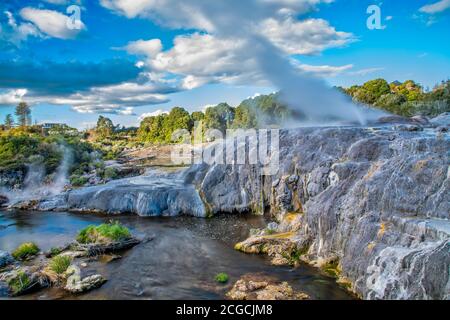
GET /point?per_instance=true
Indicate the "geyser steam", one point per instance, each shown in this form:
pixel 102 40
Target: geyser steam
pixel 242 21
pixel 34 182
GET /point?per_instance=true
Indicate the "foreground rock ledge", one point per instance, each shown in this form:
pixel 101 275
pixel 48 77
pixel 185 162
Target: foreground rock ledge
pixel 253 287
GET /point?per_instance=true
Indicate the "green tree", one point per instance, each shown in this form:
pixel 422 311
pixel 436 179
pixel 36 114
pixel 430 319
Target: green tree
pixel 410 89
pixel 9 121
pixel 23 112
pixel 219 117
pixel 245 117
pixel 152 129
pixel 105 127
pixel 197 116
pixel 395 103
pixel 178 118
pixel 159 129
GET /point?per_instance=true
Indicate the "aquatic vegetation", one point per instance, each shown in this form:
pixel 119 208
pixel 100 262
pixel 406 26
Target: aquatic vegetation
pixel 19 283
pixel 59 264
pixel 25 251
pixel 222 278
pixel 112 231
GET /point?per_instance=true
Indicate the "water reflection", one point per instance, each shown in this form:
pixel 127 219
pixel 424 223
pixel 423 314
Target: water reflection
pixel 179 263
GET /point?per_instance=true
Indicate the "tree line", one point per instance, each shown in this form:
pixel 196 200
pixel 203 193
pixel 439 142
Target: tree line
pixel 405 99
pixel 251 113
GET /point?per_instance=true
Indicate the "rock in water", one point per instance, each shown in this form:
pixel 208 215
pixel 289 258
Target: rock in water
pixel 75 284
pixel 252 287
pixel 5 259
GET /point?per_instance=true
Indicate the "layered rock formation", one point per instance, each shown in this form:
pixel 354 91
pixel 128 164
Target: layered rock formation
pixel 153 194
pixel 372 202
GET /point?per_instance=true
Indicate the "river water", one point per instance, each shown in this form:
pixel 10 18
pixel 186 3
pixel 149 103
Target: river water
pixel 179 263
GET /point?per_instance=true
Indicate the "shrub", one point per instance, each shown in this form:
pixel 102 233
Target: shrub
pixel 54 251
pixel 59 264
pixel 19 283
pixel 112 231
pixel 222 278
pixel 78 181
pixel 25 250
pixel 110 173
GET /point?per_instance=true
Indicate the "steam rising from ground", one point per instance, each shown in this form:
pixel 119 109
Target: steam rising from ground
pixel 35 185
pixel 237 25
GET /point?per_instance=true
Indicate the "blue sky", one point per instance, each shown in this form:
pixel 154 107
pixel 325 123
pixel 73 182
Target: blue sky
pixel 129 58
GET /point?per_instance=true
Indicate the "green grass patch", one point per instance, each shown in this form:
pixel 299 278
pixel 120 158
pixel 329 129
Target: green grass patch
pixel 59 264
pixel 113 231
pixel 25 251
pixel 19 283
pixel 55 251
pixel 222 278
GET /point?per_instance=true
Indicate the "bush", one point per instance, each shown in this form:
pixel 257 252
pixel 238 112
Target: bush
pixel 112 231
pixel 25 251
pixel 110 173
pixel 222 278
pixel 77 181
pixel 19 283
pixel 59 264
pixel 54 252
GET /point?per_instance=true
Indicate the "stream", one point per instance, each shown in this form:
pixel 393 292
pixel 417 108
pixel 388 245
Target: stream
pixel 180 262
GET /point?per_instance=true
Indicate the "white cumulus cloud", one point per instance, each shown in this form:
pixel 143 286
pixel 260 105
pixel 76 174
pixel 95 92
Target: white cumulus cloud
pixel 12 97
pixel 50 22
pixel 304 37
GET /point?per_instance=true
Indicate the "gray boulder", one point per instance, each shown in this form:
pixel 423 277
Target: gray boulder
pixel 5 259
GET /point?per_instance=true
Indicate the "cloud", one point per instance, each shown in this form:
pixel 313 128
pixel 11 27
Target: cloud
pixel 116 99
pixel 64 2
pixel 51 78
pixel 309 36
pixel 12 97
pixel 203 58
pixel 128 111
pixel 364 72
pixel 436 7
pixel 203 15
pixel 16 33
pixel 325 70
pixel 152 114
pixel 51 22
pixel 247 42
pixel 112 86
pixel 143 47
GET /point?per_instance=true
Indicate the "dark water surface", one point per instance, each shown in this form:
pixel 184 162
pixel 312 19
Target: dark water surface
pixel 180 263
